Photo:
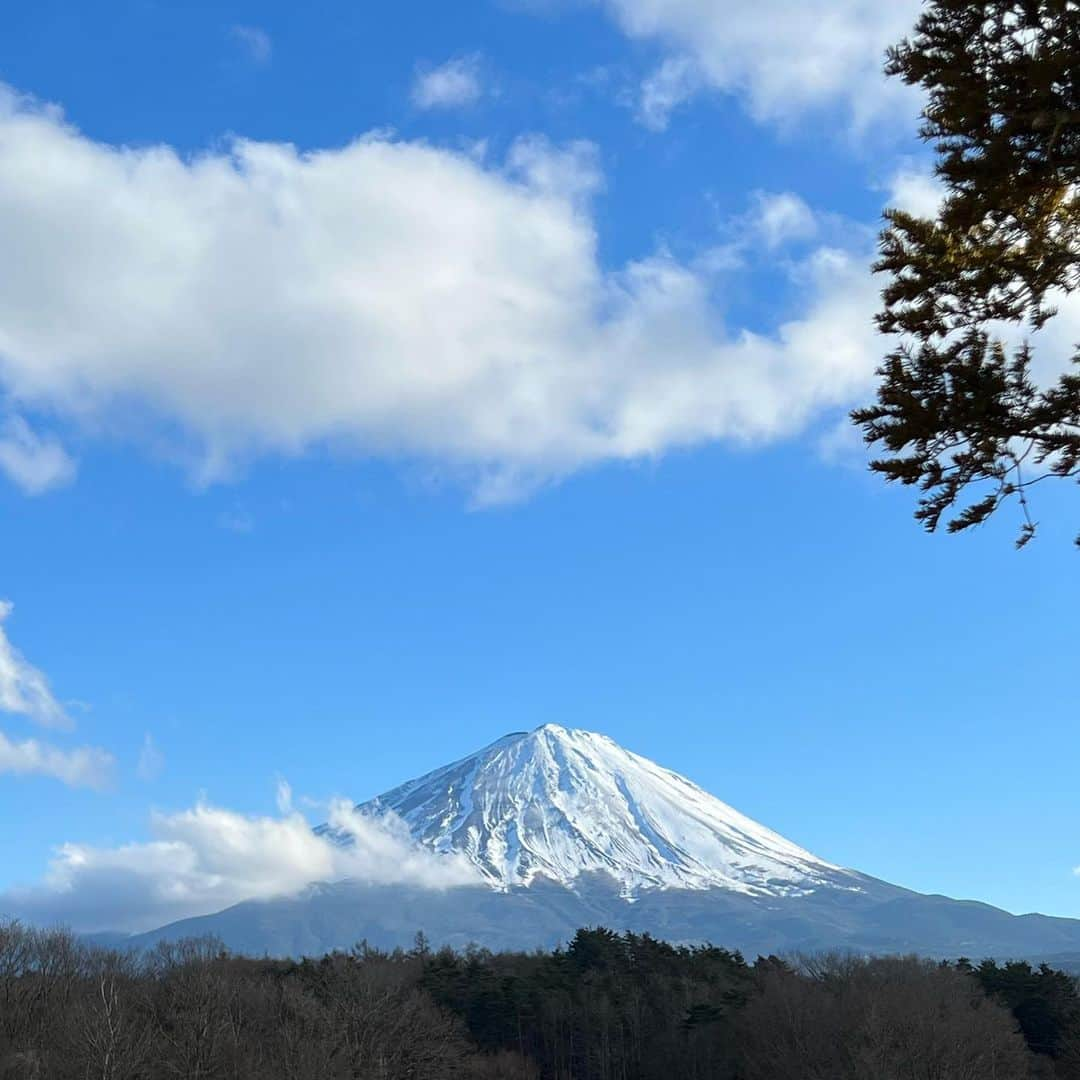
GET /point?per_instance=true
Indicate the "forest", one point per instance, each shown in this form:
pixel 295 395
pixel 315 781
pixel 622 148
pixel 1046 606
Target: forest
pixel 608 1006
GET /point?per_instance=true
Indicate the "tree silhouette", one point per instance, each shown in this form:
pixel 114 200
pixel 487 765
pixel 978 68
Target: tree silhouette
pixel 958 411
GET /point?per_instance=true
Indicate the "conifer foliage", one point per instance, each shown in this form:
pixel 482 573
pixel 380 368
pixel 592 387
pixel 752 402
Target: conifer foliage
pixel 958 411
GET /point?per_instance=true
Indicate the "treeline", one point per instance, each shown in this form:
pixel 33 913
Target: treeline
pixel 607 1007
pixel 629 1007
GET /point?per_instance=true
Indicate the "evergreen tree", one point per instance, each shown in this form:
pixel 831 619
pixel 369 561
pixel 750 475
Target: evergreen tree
pixel 1045 1003
pixel 958 412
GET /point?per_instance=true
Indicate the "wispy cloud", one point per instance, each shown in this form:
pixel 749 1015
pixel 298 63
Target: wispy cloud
pixel 451 85
pixel 151 762
pixel 672 84
pixel 284 796
pixel 34 462
pixel 778 218
pixel 85 766
pixel 255 41
pixel 206 858
pixel 842 444
pixel 24 690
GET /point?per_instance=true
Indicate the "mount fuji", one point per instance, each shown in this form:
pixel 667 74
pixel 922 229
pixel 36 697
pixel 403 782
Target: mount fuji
pixel 565 828
pixel 558 804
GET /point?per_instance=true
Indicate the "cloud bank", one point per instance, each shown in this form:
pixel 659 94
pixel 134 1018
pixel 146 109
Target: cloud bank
pixel 384 298
pixel 206 858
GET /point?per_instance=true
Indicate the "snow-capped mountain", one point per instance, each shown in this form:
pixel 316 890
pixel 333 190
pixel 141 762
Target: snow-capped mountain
pixel 557 803
pixel 567 829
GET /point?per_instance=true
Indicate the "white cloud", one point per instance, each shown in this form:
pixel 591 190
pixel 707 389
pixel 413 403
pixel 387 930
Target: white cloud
pixel 284 796
pixel 85 766
pixel 151 760
pixel 782 59
pixel 451 85
pixel 35 463
pixel 386 298
pixel 255 41
pixel 206 858
pixel 779 218
pixel 917 191
pixel 569 174
pixel 24 690
pixel 672 84
pixel 842 444
pixel 1055 345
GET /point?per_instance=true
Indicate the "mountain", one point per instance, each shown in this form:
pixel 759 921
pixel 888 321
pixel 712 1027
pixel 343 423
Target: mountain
pixel 566 829
pixel 556 804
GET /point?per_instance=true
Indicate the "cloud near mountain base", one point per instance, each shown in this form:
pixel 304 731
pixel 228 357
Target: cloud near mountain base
pixel 204 859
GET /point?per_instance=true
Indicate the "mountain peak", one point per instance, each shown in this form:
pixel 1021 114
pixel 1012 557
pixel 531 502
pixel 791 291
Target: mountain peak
pixel 550 730
pixel 559 802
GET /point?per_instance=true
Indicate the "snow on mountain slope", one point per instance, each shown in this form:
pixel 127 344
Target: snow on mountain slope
pixel 558 803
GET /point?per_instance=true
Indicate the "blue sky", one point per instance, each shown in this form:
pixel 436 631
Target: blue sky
pixel 333 463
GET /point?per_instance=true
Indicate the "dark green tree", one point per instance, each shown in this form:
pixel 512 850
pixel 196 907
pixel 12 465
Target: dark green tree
pixel 1045 1003
pixel 958 411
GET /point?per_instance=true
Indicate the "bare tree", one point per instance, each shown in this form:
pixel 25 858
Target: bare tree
pixel 895 1018
pixel 111 1024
